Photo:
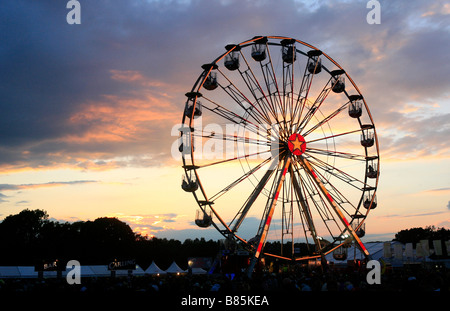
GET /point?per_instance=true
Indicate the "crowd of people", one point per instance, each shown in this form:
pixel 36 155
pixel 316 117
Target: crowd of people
pixel 299 280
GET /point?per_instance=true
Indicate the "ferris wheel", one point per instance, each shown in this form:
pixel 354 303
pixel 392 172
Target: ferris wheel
pixel 278 143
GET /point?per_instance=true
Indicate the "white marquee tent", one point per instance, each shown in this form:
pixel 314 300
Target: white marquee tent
pixel 86 271
pixel 376 251
pixel 18 272
pixel 91 271
pixel 393 252
pixel 199 271
pixel 153 269
pixel 174 268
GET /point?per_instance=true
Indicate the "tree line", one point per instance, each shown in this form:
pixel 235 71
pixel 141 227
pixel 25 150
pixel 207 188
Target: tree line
pixel 30 237
pixel 429 233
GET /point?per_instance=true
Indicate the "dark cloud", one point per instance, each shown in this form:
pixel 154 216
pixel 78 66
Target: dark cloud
pixel 71 94
pixel 2 198
pixel 418 137
pixel 413 215
pixel 439 189
pixel 23 202
pixel 4 187
pixel 13 187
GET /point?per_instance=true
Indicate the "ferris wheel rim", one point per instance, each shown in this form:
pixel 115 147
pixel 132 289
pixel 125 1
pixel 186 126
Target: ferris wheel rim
pixel 221 224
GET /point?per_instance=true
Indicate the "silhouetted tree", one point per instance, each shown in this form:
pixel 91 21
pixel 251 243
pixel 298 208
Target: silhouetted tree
pixel 429 233
pixel 104 239
pixel 21 235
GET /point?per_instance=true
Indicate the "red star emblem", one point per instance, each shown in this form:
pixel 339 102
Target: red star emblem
pixel 297 144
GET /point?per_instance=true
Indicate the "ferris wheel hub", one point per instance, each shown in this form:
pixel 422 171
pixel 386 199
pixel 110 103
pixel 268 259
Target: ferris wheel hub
pixel 296 144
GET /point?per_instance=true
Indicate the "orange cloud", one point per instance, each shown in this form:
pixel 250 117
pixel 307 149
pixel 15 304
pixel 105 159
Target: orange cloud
pixel 135 77
pixel 149 224
pixel 118 119
pixel 437 8
pixel 438 191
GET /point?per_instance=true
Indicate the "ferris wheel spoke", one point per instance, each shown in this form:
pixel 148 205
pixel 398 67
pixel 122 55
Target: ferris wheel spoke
pixel 239 180
pixel 243 211
pixel 327 217
pixel 307 80
pixel 254 86
pixel 323 214
pixel 338 197
pixel 301 123
pixel 227 114
pixel 340 174
pixel 288 89
pixel 303 93
pixel 241 121
pixel 239 97
pixel 337 210
pixel 270 79
pixel 235 158
pixel 286 83
pixel 233 138
pixel 315 196
pixel 326 119
pixel 286 212
pixel 304 209
pixel 336 135
pixel 263 230
pixel 333 153
pixel 324 208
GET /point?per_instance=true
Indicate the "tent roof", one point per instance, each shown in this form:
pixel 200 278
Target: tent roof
pixel 86 271
pixel 375 250
pixel 174 268
pixel 154 269
pixel 397 255
pixel 198 271
pixel 27 272
pixel 100 270
pixel 9 272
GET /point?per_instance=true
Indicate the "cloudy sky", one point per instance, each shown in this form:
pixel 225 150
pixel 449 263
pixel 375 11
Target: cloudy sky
pixel 87 110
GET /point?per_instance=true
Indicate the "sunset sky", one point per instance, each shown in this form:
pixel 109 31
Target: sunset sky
pixel 87 110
